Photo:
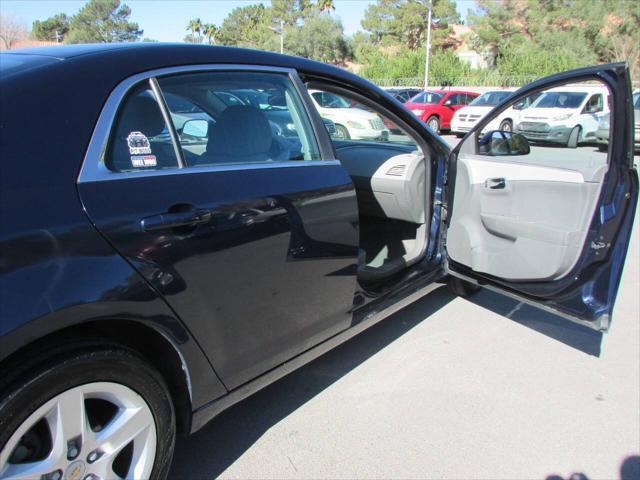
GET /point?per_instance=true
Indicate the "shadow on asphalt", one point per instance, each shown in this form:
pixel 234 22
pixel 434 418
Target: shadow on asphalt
pixel 571 334
pixel 213 449
pixel 209 452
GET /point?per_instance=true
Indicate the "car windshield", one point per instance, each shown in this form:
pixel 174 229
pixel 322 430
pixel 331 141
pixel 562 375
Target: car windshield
pixel 427 97
pixel 636 101
pixel 330 100
pixel 490 99
pixel 559 100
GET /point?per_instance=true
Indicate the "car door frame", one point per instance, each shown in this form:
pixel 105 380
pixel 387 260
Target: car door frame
pixel 586 294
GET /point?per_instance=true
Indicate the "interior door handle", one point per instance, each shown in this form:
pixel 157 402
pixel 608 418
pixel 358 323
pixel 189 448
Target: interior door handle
pixel 175 220
pixel 495 183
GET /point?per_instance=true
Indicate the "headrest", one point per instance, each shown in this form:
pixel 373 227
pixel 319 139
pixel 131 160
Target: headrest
pixel 141 114
pixel 240 130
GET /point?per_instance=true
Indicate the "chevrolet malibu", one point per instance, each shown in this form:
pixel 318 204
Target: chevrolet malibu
pixel 155 272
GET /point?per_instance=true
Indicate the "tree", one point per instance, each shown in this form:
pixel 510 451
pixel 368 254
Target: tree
pixel 11 30
pixel 53 28
pixel 291 12
pixel 325 6
pixel 545 36
pixel 404 22
pixel 103 21
pixel 195 25
pixel 247 26
pixel 321 37
pixel 210 31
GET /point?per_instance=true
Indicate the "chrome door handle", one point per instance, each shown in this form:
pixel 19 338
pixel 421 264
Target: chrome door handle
pixel 495 183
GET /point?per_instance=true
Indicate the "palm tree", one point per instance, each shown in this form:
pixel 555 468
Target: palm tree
pixel 195 26
pixel 210 31
pixel 325 6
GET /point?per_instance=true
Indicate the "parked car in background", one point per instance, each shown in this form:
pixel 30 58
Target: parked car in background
pixel 350 121
pixel 149 283
pixel 567 115
pixel 602 133
pixel 465 118
pixel 436 107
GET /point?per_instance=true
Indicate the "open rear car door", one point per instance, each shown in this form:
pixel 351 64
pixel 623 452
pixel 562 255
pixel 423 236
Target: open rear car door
pixel 541 213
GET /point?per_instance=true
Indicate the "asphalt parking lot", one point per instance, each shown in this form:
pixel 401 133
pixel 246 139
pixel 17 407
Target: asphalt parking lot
pixel 479 388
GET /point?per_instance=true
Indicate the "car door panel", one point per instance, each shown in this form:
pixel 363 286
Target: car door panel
pixel 533 228
pixel 257 283
pixel 551 228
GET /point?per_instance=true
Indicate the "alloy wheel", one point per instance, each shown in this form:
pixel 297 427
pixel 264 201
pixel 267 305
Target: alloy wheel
pixel 96 431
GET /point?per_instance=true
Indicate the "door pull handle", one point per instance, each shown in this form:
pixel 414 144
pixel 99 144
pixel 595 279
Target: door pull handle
pixel 495 183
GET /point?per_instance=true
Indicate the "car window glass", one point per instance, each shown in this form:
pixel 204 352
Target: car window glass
pixel 559 99
pixel 238 117
pixel 355 121
pixel 427 97
pixel 140 138
pixel 594 104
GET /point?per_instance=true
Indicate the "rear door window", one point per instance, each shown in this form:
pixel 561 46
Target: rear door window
pixel 140 137
pixel 238 117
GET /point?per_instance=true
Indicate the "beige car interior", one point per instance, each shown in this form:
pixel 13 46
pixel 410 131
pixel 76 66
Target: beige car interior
pixel 524 217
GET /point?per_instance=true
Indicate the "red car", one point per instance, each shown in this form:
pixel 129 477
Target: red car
pixel 436 107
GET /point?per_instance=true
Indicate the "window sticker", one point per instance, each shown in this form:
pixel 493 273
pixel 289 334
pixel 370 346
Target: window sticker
pixel 143 160
pixel 138 144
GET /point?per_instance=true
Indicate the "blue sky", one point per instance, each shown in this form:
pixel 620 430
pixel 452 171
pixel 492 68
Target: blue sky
pixel 166 20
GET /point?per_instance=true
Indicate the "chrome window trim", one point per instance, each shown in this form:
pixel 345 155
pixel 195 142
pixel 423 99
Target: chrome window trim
pixel 94 169
pixel 166 114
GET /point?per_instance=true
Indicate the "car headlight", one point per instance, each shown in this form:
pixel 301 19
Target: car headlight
pixel 562 117
pixel 418 111
pixel 353 124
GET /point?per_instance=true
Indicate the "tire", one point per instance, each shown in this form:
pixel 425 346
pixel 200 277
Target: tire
pixel 506 126
pixel 574 137
pixel 459 135
pixel 603 147
pixel 107 385
pixel 342 133
pixel 461 288
pixel 433 123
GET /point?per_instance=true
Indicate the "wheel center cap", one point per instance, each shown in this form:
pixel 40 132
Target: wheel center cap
pixel 75 470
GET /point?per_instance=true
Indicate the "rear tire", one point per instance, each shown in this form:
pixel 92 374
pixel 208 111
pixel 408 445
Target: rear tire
pixel 574 137
pixel 342 133
pixel 433 123
pixel 462 288
pixel 603 147
pixel 459 135
pixel 114 392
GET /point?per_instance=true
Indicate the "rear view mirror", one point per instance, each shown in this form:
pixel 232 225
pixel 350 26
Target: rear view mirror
pixel 195 128
pixel 499 143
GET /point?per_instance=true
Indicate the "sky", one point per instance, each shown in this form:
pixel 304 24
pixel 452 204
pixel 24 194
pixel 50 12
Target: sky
pixel 166 20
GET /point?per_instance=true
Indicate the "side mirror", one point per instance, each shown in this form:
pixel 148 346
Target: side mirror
pixel 497 143
pixel 593 109
pixel 195 128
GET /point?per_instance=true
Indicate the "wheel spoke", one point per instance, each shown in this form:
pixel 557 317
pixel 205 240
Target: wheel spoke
pixel 123 429
pixel 28 471
pixel 68 421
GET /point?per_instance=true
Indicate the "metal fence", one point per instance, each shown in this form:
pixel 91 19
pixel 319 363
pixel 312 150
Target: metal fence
pixel 489 80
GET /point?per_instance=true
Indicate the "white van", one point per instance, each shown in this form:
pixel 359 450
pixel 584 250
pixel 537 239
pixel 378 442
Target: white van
pixel 566 115
pixel 351 123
